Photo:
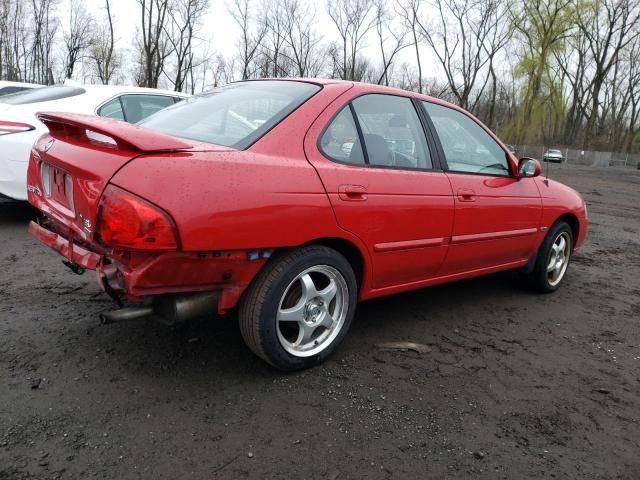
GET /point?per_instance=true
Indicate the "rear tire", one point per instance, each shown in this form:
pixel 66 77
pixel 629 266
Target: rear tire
pixel 299 307
pixel 552 259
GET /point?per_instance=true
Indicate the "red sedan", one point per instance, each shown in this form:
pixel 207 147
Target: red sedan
pixel 293 200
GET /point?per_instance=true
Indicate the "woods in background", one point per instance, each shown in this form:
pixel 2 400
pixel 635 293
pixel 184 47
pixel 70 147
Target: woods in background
pixel 563 72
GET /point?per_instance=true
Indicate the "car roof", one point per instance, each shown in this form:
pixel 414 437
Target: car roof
pixel 109 90
pixel 364 87
pixel 5 83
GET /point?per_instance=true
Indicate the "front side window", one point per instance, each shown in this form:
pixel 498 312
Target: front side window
pixel 235 115
pixel 468 148
pixel 340 140
pixel 392 132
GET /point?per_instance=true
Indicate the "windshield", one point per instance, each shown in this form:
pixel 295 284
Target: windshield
pixel 44 94
pixel 235 115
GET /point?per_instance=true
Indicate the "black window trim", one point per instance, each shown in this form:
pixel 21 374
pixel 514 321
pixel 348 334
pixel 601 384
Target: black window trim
pixel 431 145
pixel 444 163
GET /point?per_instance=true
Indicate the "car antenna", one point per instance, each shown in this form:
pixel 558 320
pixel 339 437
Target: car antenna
pixel 547 168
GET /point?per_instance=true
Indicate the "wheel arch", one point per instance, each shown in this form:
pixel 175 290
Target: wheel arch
pixel 350 251
pixel 573 222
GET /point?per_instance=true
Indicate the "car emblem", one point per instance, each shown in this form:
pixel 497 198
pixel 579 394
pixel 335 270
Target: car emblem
pixel 48 145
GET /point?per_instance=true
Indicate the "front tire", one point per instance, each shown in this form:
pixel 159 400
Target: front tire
pixel 299 307
pixel 552 259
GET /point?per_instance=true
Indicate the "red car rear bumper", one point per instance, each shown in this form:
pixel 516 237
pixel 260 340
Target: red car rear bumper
pixel 71 251
pixel 140 274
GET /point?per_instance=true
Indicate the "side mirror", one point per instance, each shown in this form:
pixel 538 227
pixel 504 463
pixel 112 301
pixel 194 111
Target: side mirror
pixel 529 167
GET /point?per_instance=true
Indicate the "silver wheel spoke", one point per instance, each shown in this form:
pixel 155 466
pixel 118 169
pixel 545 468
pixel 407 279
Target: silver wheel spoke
pixel 329 292
pixel 326 309
pixel 305 334
pixel 562 244
pixel 293 314
pixel 558 259
pixel 327 320
pixel 308 288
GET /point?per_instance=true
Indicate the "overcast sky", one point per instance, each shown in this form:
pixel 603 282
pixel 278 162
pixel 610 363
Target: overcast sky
pixel 220 29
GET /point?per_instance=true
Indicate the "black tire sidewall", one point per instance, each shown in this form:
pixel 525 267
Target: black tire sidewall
pixel 267 328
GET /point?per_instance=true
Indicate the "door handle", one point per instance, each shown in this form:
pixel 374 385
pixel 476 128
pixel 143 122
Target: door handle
pixel 352 193
pixel 466 195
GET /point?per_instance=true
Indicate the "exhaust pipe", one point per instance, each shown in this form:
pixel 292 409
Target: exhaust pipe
pixel 168 309
pixel 123 314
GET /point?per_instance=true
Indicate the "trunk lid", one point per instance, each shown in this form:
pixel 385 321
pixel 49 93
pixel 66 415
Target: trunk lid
pixel 72 164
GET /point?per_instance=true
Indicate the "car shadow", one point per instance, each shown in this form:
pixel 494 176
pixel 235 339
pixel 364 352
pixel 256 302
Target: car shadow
pixel 16 212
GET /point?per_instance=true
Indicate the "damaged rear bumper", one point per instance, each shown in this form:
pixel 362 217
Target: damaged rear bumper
pixel 68 249
pixel 135 275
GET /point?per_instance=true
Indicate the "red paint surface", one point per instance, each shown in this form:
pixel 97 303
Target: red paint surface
pixel 412 228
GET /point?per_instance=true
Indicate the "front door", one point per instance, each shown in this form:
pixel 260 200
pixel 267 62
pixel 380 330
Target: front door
pixel 497 214
pixel 374 160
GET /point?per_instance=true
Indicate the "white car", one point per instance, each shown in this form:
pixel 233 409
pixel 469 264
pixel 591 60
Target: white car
pixel 19 127
pixel 7 88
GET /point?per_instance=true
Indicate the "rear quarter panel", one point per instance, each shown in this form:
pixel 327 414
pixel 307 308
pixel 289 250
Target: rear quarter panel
pixel 267 196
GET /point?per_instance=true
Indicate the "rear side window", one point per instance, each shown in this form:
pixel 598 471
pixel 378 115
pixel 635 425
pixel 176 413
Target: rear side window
pixel 45 94
pixel 138 107
pixel 340 140
pixel 392 132
pixel 112 109
pixel 235 115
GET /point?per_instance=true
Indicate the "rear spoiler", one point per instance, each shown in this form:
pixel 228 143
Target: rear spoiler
pixel 108 132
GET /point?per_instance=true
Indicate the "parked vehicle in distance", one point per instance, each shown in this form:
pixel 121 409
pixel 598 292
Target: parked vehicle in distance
pixel 19 127
pixel 553 155
pixel 7 88
pixel 512 148
pixel 293 200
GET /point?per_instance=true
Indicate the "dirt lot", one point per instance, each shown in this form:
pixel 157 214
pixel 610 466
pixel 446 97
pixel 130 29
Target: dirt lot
pixel 516 385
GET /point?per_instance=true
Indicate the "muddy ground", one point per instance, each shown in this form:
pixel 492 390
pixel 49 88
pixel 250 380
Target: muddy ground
pixel 516 385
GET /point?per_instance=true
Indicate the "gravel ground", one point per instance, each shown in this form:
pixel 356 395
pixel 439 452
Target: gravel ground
pixel 516 385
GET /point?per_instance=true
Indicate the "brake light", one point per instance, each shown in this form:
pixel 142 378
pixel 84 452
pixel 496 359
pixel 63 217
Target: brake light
pixel 13 127
pixel 127 221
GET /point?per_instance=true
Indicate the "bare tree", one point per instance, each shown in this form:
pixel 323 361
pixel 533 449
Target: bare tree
pixel 353 20
pixel 409 11
pixel 387 33
pixel 185 19
pixel 458 39
pixel 104 57
pixel 78 35
pixel 633 79
pixel 45 26
pixel 302 39
pixel 608 26
pixel 154 44
pixel 251 35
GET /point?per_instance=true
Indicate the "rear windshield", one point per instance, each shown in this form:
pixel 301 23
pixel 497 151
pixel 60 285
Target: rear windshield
pixel 44 94
pixel 11 89
pixel 233 116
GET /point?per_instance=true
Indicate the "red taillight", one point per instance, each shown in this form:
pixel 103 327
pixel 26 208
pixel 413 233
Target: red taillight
pixel 127 221
pixel 12 127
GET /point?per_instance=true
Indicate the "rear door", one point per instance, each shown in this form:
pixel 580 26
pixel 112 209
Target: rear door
pixel 376 165
pixel 497 214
